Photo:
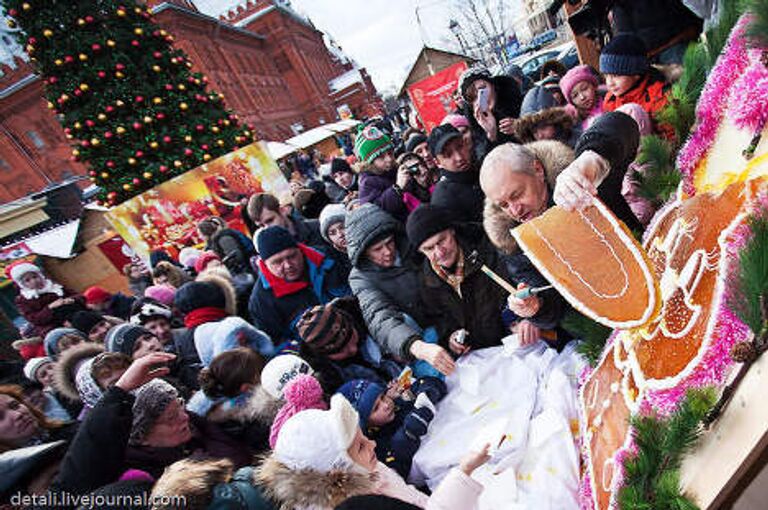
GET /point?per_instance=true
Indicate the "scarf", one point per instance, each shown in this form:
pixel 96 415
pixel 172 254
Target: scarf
pixel 453 279
pixel 48 288
pixel 281 287
pixel 203 315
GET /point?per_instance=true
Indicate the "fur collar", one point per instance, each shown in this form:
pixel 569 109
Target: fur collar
pixel 260 407
pixel 555 156
pixel 310 489
pixel 193 480
pixel 66 367
pixel 558 117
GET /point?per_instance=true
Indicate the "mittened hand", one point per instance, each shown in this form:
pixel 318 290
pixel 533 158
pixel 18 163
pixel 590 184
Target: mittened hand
pixel 422 400
pixel 417 421
pixel 433 387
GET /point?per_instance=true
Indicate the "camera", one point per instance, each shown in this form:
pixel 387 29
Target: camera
pixel 413 169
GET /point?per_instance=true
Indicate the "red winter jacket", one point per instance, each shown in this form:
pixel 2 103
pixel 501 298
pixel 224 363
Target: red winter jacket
pixel 42 318
pixel 651 94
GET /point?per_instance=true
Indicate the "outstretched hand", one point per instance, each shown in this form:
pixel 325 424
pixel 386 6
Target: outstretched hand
pixel 474 460
pixel 144 370
pixel 434 355
pixel 576 186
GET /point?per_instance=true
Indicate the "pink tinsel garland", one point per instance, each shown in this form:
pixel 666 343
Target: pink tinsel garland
pixel 748 106
pixel 711 106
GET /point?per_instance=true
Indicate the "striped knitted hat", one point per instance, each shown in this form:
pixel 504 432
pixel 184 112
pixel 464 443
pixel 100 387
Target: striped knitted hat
pixel 371 142
pixel 326 329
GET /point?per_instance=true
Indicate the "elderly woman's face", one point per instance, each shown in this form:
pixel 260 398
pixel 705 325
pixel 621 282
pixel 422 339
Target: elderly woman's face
pixel 363 451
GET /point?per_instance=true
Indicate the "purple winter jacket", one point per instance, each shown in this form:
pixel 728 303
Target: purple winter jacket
pixel 378 189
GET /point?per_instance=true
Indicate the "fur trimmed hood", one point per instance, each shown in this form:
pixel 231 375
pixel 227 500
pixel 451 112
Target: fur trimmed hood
pixel 66 368
pixel 261 407
pixel 558 116
pixel 225 284
pixel 194 480
pixel 311 489
pixel 555 156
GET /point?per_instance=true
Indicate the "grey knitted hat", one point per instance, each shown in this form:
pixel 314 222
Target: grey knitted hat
pixel 151 401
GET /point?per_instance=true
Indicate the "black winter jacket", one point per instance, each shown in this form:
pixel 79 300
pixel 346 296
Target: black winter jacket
pixel 460 192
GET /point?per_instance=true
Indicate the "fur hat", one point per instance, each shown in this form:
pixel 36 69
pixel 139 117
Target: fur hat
pixel 470 76
pixel 17 270
pixel 213 338
pixel 331 214
pixel 85 320
pixel 96 295
pixel 318 440
pixel 362 395
pixel 426 221
pixel 33 365
pixel 273 240
pixel 151 401
pixel 122 338
pixel 194 295
pixel 67 367
pixel 280 371
pixel 302 393
pixel 162 293
pixel 53 337
pixel 624 55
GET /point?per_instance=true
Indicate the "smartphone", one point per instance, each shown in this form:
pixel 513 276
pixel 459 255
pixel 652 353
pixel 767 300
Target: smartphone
pixel 482 99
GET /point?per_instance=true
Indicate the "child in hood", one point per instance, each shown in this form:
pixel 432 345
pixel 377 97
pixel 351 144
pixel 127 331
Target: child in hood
pixel 630 79
pixel 395 424
pixel 42 302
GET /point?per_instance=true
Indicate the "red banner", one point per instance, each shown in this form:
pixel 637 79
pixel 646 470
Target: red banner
pixel 118 252
pixel 433 96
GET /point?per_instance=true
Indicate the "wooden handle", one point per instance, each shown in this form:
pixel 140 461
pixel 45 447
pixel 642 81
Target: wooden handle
pixel 498 279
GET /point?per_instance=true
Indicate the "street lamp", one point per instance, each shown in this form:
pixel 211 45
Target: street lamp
pixel 454 27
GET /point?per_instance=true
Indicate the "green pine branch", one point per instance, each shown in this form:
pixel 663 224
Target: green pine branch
pixel 651 475
pixel 749 285
pixel 592 334
pixel 757 32
pixel 659 179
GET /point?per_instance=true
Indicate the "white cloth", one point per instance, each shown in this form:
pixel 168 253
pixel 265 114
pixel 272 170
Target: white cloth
pixel 526 395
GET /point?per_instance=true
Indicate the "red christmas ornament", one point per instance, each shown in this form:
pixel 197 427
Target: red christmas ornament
pixel 108 135
pixel 160 116
pixel 109 108
pixel 163 169
pixel 191 79
pixel 135 43
pixel 101 74
pixel 168 87
pixel 32 41
pixel 139 154
pixel 119 67
pixel 96 47
pixel 204 147
pixel 85 143
pixel 200 127
pixel 52 80
pixel 67 131
pixel 157 54
pixel 166 139
pixel 89 19
pixel 232 116
pixel 136 181
pixel 69 59
pixel 156 33
pixel 78 92
pixel 139 99
pixel 188 152
pixel 110 164
pixel 90 123
pixel 13 13
pixel 92 173
pixel 137 126
pixel 220 122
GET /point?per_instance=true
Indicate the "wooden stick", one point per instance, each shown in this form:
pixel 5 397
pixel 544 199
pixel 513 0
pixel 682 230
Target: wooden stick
pixel 498 279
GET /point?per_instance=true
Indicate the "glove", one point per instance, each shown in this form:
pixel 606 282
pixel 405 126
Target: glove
pixel 417 421
pixel 434 388
pixel 423 401
pixel 576 186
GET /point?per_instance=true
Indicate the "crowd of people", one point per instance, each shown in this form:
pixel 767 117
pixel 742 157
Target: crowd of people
pixel 300 367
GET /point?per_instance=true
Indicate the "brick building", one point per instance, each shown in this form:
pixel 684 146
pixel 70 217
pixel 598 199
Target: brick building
pixel 277 71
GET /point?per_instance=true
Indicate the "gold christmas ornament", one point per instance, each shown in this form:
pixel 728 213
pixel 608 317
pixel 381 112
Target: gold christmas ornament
pixel 178 164
pixel 102 117
pixel 77 125
pixel 183 106
pixel 187 138
pixel 157 100
pixel 206 157
pixel 84 87
pixel 147 119
pixel 58 62
pixel 83 57
pixel 120 130
pixel 157 68
pixel 138 31
pixel 48 33
pixel 95 142
pixel 127 187
pixel 119 75
pixel 111 43
pixel 131 161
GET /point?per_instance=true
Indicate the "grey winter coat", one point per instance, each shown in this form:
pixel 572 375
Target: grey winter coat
pixel 386 295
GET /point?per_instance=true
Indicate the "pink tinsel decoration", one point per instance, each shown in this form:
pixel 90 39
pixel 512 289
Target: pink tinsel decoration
pixel 711 106
pixel 748 108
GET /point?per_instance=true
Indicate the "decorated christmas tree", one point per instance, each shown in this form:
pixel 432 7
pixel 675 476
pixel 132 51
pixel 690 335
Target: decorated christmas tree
pixel 128 99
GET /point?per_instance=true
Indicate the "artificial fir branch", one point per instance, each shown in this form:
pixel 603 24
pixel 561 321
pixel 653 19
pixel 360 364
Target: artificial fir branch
pixel 651 475
pixel 592 335
pixel 659 179
pixel 749 285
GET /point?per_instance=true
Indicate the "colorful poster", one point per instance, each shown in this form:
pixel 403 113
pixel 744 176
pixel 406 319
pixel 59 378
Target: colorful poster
pixel 166 217
pixel 12 253
pixel 118 252
pixel 433 96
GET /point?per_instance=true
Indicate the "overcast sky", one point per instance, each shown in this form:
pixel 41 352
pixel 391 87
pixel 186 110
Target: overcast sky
pixel 381 35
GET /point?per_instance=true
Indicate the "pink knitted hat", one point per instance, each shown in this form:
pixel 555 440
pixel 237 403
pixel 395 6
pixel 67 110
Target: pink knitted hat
pixel 302 393
pixel 455 120
pixel 163 293
pixel 574 76
pixel 639 115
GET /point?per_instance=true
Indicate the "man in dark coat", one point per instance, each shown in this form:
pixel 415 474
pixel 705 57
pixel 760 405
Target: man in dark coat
pixel 265 211
pixel 456 294
pixel 523 181
pixel 292 278
pixel 385 280
pixel 458 188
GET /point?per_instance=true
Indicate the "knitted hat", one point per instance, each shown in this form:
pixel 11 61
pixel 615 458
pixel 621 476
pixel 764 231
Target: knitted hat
pixel 151 401
pixel 188 256
pixel 426 221
pixel 204 259
pixel 536 100
pixel 280 371
pixel 340 165
pixel 331 214
pixel 639 115
pixel 53 337
pixel 414 141
pixel 302 393
pixel 574 76
pixel 470 76
pixel 17 270
pixel 362 395
pixel 624 55
pixel 440 136
pixel 364 225
pixel 146 309
pixel 122 338
pixel 96 295
pixel 194 295
pixel 85 320
pixel 273 240
pixel 318 440
pixel 326 329
pixel 162 293
pixel 87 388
pixel 371 143
pixel 33 365
pixel 213 338
pixel 455 120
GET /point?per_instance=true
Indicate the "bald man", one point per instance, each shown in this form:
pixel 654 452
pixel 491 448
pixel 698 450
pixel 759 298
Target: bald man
pixel 522 181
